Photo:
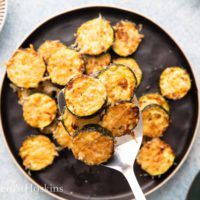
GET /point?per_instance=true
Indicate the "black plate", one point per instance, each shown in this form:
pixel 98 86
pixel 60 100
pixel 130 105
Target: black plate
pixel 156 52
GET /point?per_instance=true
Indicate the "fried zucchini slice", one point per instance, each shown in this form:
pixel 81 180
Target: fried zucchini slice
pixel 97 63
pixel 85 96
pixel 50 47
pixel 121 118
pixel 63 65
pixel 156 157
pixel 133 65
pixel 26 68
pixel 120 82
pixel 62 136
pixel 153 98
pixel 37 152
pixel 155 120
pixel 174 83
pixel 127 38
pixel 93 145
pixel 95 37
pixel 39 110
pixel 73 123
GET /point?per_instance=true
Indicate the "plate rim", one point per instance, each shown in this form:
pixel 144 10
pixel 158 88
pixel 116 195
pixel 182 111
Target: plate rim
pixel 5 14
pixel 197 83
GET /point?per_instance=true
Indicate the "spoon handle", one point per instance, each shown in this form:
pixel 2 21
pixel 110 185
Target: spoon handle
pixel 135 187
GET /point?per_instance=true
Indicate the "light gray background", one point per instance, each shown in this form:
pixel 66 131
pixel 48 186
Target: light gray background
pixel 180 18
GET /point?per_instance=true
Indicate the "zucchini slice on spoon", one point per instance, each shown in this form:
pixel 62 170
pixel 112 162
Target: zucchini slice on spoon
pixel 155 120
pixel 93 145
pixel 94 37
pixel 120 82
pixel 121 118
pixel 85 96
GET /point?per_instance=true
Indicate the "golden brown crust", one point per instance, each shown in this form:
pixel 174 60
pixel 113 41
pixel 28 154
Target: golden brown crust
pixel 121 118
pixel 26 68
pixel 39 110
pixel 127 38
pixel 92 147
pixel 174 82
pixel 37 152
pixel 63 65
pixel 155 121
pixel 156 157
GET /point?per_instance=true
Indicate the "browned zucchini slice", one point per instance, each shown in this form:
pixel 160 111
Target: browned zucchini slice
pixel 93 145
pixel 127 38
pixel 39 110
pixel 85 96
pixel 174 82
pixel 97 63
pixel 120 82
pixel 133 65
pixel 156 157
pixel 62 136
pixel 50 47
pixel 95 36
pixel 63 65
pixel 153 98
pixel 26 68
pixel 37 152
pixel 73 123
pixel 121 118
pixel 155 120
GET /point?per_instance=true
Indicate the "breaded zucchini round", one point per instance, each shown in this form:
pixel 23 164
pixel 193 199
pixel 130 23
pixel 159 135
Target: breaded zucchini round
pixel 155 120
pixel 127 38
pixel 39 110
pixel 93 145
pixel 121 118
pixel 85 96
pixel 153 98
pixel 97 63
pixel 62 136
pixel 120 82
pixel 26 68
pixel 174 82
pixel 133 65
pixel 156 157
pixel 37 152
pixel 73 123
pixel 95 36
pixel 50 47
pixel 63 65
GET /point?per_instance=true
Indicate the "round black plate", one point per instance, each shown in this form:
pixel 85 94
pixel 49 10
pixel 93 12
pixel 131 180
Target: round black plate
pixel 156 52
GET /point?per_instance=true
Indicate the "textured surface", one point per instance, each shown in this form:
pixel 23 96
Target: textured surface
pixel 179 18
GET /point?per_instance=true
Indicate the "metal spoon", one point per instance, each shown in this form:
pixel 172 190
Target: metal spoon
pixel 126 150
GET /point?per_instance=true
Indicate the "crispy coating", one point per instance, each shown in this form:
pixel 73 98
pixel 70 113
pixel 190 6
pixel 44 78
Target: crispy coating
pixel 85 95
pixel 37 152
pixel 133 65
pixel 120 82
pixel 50 47
pixel 97 63
pixel 127 38
pixel 92 147
pixel 156 157
pixel 155 120
pixel 26 68
pixel 95 36
pixel 174 82
pixel 73 123
pixel 121 118
pixel 62 136
pixel 63 65
pixel 153 98
pixel 39 110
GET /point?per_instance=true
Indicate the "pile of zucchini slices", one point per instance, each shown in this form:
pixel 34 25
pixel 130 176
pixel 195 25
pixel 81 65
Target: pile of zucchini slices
pixel 98 92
